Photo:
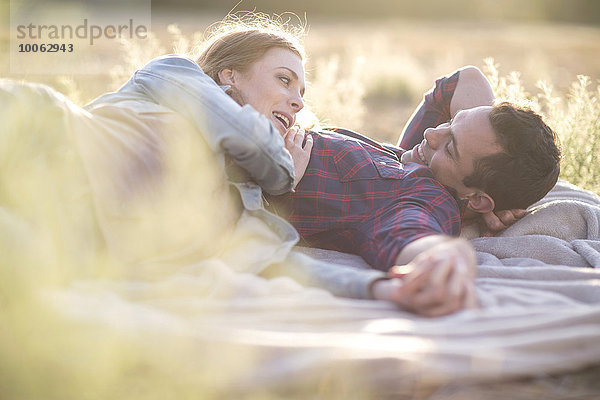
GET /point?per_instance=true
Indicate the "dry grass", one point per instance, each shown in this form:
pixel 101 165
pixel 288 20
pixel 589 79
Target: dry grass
pixel 366 76
pixel 370 75
pixel 383 68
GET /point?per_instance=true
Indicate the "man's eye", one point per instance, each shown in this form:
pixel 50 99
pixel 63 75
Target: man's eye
pixel 447 147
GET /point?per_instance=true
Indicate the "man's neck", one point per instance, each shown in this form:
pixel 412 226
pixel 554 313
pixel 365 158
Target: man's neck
pixel 469 216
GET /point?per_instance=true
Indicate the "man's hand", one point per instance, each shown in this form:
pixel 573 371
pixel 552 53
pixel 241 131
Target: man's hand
pixel 439 281
pixel 294 139
pixel 496 221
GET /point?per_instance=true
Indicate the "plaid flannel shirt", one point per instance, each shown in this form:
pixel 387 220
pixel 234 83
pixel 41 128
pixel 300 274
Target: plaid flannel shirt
pixel 357 197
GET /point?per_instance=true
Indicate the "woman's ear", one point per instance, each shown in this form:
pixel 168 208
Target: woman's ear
pixel 480 202
pixel 227 76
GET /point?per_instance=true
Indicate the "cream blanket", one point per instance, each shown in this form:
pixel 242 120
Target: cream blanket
pixel 540 315
pixel 561 229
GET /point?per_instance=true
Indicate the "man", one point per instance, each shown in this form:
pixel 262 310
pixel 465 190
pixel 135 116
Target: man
pixel 399 209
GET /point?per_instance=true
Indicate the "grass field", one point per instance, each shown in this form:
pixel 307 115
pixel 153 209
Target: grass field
pixel 379 71
pixel 365 75
pixel 369 75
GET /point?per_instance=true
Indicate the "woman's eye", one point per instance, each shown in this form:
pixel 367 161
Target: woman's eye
pixel 286 81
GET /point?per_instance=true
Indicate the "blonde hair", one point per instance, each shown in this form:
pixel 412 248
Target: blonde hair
pixel 240 40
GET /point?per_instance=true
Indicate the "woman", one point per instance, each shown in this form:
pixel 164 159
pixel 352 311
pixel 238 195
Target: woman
pixel 172 107
pixel 147 177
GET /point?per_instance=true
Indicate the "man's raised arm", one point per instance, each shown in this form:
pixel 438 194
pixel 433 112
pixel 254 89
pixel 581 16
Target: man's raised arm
pixel 472 90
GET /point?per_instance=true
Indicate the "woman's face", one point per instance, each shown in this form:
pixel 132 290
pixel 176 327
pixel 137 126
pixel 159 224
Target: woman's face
pixel 273 86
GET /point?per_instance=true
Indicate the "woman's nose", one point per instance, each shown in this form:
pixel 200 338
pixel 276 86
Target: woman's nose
pixel 297 103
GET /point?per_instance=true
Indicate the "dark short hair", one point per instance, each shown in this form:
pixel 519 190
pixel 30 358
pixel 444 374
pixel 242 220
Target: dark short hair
pixel 529 165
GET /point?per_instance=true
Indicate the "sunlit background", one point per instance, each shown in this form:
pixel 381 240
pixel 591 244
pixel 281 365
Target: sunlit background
pixel 369 63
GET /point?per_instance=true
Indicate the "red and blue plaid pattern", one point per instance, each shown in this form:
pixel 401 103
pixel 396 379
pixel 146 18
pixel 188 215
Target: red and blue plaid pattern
pixel 357 197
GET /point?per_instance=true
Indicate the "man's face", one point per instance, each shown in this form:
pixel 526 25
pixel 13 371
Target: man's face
pixel 451 149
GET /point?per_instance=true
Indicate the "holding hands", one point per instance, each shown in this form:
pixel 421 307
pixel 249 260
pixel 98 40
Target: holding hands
pixel 438 281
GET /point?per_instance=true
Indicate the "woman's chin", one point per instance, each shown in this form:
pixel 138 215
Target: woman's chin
pixel 279 127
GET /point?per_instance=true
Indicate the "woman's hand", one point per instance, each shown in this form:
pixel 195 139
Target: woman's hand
pixel 294 138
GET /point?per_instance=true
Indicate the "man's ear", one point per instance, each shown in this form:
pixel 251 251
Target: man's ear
pixel 480 202
pixel 227 76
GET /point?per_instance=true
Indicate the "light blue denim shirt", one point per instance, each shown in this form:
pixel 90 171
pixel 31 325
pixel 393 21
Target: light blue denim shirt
pixel 175 84
pixel 178 84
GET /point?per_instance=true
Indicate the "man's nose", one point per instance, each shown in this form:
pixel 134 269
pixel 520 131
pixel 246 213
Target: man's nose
pixel 434 137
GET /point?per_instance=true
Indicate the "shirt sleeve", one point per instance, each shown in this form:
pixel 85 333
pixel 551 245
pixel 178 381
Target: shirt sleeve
pixel 426 209
pixel 433 110
pixel 247 136
pixel 338 279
